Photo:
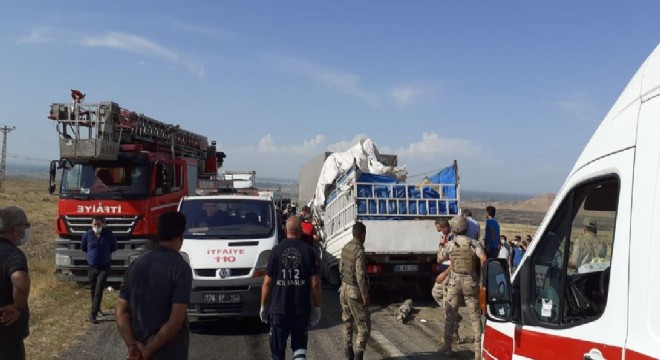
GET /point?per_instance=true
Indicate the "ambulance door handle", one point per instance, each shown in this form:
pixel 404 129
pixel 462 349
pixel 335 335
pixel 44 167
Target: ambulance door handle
pixel 594 354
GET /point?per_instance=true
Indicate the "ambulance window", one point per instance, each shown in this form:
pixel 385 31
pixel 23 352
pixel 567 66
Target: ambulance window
pixel 571 264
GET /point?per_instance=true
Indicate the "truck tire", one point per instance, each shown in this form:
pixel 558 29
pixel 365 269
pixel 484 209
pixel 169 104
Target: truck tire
pixel 332 275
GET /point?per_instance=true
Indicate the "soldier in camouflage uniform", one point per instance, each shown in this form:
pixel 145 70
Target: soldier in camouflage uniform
pixel 439 290
pixel 354 295
pixel 588 247
pixel 463 282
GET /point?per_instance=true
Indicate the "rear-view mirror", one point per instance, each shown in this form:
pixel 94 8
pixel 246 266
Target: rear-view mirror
pixel 498 291
pixel 52 176
pixel 603 197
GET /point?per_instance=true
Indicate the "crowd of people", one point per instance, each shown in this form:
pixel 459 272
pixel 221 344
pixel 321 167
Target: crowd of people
pixel 151 313
pixel 513 250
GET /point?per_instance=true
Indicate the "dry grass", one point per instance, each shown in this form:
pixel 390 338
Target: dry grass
pixel 58 309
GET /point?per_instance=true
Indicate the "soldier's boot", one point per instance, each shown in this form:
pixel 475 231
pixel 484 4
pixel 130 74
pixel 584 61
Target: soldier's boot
pixel 350 355
pixel 477 350
pixel 445 349
pixel 455 332
pixel 359 355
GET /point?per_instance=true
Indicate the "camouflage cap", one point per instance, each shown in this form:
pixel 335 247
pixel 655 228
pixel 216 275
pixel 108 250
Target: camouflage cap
pixel 590 223
pixel 458 224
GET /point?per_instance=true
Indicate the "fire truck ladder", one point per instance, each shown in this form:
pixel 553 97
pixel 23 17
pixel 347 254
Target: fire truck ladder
pixel 97 131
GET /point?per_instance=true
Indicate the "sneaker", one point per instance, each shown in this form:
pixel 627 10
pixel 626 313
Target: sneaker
pixel 92 319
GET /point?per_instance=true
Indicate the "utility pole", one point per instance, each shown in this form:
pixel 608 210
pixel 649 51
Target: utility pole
pixel 3 164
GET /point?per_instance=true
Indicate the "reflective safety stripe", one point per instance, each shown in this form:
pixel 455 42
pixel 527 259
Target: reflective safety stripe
pixel 300 354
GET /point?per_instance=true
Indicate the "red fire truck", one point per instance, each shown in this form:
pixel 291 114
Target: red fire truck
pixel 126 167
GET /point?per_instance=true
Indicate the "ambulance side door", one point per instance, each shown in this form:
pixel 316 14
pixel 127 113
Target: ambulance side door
pixel 573 284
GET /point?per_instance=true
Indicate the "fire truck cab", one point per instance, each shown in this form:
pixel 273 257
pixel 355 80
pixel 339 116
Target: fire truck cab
pixel 125 167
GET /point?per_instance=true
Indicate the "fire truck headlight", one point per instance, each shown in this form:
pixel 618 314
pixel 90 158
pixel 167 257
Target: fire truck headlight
pixel 62 260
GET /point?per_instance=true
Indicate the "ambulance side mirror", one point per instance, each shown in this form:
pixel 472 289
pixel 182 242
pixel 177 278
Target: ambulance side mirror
pixel 498 291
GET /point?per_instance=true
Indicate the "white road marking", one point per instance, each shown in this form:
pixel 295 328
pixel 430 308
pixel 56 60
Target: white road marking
pixel 392 351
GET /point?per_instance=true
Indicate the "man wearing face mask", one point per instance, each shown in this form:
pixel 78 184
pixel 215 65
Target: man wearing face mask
pixel 14 283
pixel 99 243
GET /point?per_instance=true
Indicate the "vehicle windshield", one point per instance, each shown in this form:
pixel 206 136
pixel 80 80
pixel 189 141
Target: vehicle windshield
pixel 228 218
pixel 105 180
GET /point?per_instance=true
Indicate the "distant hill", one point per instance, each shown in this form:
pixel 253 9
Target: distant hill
pixel 539 203
pixel 484 196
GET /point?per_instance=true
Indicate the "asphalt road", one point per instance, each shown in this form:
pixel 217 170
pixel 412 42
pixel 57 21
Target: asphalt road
pixel 237 339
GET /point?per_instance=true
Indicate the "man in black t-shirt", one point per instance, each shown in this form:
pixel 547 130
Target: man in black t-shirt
pixel 152 310
pixel 14 283
pixel 292 280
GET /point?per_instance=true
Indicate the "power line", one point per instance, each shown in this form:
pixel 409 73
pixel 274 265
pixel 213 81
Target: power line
pixel 509 163
pixel 27 157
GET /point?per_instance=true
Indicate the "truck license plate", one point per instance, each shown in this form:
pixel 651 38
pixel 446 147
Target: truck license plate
pixel 406 268
pixel 222 298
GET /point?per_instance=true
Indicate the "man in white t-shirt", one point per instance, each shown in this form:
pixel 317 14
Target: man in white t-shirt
pixel 474 229
pixel 505 250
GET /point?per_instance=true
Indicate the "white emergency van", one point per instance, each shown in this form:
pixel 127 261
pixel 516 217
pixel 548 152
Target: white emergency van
pixel 588 285
pixel 227 242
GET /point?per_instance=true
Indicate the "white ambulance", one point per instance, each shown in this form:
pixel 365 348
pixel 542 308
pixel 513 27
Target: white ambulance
pixel 589 286
pixel 227 242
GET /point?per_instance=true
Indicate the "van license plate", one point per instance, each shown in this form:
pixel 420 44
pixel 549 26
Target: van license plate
pixel 406 268
pixel 222 298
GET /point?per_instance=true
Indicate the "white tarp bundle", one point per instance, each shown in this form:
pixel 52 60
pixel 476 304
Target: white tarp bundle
pixel 367 159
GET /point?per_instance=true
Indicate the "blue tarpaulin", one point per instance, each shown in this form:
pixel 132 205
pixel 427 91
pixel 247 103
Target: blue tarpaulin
pixel 374 178
pixel 386 195
pixel 446 176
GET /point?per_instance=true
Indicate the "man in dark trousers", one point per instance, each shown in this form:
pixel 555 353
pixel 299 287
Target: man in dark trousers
pixel 14 283
pixel 152 310
pixel 492 234
pixel 292 280
pixel 99 243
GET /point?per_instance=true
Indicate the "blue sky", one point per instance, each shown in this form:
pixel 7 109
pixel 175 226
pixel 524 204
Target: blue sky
pixel 511 89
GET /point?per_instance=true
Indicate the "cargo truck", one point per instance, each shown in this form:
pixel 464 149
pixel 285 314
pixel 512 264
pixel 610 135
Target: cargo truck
pixel 402 241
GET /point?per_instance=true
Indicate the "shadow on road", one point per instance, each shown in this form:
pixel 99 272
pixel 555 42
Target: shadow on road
pixel 462 355
pixel 229 326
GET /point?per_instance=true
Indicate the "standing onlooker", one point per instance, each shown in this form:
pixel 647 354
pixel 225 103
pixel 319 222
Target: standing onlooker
pixel 293 277
pixel 492 234
pixel 439 287
pixel 14 283
pixel 463 283
pixel 474 229
pixel 280 223
pixel 518 252
pixel 152 310
pixel 505 251
pixel 528 240
pixel 99 243
pixel 354 294
pixel 309 234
